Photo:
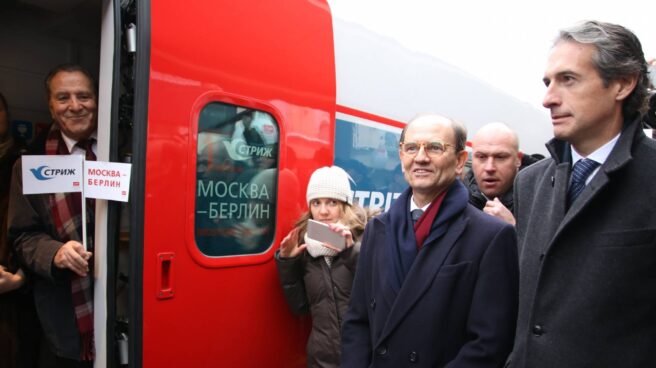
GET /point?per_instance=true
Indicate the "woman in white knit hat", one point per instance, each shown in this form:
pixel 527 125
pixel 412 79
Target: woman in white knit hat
pixel 316 277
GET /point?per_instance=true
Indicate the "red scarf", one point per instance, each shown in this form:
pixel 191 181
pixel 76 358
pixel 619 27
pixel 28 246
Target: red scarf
pixel 66 210
pixel 423 225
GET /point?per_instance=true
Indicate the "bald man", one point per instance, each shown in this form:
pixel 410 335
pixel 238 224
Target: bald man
pixel 495 162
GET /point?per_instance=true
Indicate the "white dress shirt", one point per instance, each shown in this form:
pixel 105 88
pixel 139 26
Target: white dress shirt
pixel 76 150
pixel 599 155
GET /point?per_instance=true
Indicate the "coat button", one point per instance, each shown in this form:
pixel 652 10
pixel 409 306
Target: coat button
pixel 538 330
pixel 373 303
pixel 541 257
pixel 413 357
pixel 381 350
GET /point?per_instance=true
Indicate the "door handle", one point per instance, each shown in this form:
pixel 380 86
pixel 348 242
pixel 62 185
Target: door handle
pixel 165 275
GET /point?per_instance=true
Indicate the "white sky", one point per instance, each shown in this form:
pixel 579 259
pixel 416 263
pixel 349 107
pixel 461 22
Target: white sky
pixel 505 42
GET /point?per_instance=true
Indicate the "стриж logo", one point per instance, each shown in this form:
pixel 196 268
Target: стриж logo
pixel 46 173
pixel 38 173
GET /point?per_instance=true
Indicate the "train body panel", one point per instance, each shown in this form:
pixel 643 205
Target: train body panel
pixel 377 75
pixel 332 93
pixel 276 61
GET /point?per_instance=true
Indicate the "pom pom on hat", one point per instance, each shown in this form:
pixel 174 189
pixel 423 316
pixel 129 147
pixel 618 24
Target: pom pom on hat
pixel 330 182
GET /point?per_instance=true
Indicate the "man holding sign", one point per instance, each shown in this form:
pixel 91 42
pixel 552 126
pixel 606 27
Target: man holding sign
pixel 46 229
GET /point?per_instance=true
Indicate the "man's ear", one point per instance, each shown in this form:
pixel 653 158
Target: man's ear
pixel 461 159
pixel 625 86
pixel 520 156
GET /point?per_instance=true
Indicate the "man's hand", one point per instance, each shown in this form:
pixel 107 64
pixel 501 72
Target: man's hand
pixel 497 209
pixel 10 281
pixel 74 257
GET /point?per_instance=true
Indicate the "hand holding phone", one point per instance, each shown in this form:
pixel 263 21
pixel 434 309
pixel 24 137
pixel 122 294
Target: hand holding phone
pixel 321 232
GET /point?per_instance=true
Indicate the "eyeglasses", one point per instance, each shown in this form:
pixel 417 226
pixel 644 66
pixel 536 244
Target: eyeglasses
pixel 432 149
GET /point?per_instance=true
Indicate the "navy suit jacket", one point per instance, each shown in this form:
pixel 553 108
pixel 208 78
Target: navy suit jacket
pixel 457 306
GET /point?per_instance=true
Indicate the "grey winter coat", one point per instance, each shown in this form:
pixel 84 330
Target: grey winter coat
pixel 588 275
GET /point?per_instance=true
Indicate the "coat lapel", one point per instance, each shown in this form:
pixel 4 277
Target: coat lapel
pixel 555 217
pixel 388 292
pixel 421 274
pixel 618 158
pixel 591 190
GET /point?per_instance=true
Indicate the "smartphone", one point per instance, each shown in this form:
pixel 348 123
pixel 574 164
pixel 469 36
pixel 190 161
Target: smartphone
pixel 321 232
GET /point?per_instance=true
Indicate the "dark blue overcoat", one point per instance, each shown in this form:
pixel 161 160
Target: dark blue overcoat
pixel 456 307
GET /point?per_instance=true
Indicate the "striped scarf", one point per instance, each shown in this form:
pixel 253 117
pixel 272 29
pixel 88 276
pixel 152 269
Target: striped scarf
pixel 66 210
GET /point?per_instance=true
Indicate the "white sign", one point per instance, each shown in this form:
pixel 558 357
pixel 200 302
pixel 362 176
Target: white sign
pixel 107 180
pixel 52 174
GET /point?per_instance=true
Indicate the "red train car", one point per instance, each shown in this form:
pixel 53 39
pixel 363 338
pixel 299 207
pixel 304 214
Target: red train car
pixel 224 109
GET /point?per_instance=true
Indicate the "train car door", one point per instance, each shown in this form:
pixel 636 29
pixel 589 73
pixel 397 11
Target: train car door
pixel 234 108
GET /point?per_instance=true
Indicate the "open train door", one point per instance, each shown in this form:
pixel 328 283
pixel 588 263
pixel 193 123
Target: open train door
pixel 234 106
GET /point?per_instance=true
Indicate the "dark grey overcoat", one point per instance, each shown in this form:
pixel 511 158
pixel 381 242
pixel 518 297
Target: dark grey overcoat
pixel 588 275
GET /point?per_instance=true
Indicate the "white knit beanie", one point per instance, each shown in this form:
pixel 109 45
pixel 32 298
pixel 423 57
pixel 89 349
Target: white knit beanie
pixel 330 182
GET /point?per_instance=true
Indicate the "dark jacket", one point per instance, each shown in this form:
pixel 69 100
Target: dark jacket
pixel 588 275
pixel 456 306
pixel 478 199
pixel 36 242
pixel 6 164
pixel 311 286
pixel 19 330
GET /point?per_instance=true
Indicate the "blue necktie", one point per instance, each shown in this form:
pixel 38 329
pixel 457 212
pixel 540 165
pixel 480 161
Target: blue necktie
pixel 416 214
pixel 580 172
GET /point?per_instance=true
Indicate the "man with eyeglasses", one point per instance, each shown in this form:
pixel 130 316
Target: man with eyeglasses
pixel 496 159
pixel 436 281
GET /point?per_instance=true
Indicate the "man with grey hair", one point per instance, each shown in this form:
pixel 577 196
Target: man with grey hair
pixel 46 229
pixel 436 281
pixel 496 159
pixel 585 217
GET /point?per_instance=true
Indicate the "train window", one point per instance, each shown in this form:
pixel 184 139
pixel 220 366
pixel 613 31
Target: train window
pixel 236 176
pixel 370 154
